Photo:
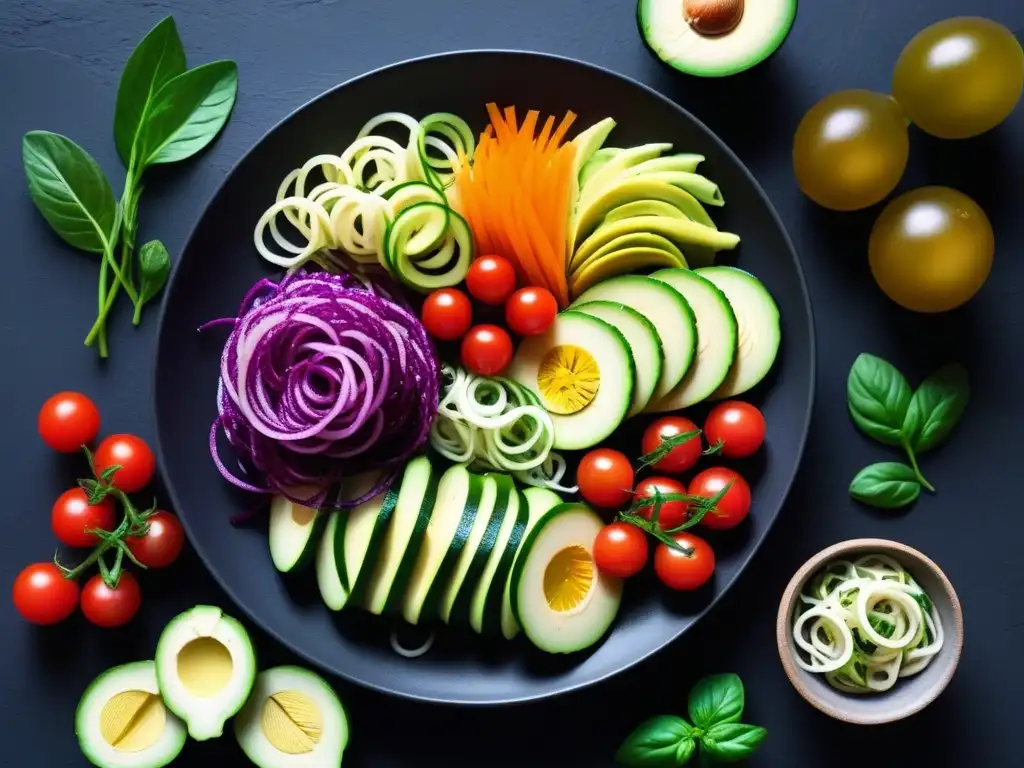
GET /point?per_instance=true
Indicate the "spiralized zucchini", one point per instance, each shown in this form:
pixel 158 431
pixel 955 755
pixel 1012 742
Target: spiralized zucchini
pixel 350 203
pixel 496 424
pixel 864 624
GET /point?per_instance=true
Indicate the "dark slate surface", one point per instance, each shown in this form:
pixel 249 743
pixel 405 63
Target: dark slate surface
pixel 59 63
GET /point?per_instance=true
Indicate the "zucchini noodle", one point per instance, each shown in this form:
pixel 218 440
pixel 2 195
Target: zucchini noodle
pixel 864 624
pixel 495 424
pixel 349 203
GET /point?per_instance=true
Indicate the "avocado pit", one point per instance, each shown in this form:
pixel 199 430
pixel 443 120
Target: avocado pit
pixel 713 17
pixel 132 721
pixel 204 667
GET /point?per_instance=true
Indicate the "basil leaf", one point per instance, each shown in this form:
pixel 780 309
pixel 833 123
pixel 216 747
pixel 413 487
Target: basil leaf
pixel 187 113
pixel 878 397
pixel 70 190
pixel 936 407
pixel 716 699
pixel 685 750
pixel 886 485
pixel 156 60
pixel 657 742
pixel 154 264
pixel 729 742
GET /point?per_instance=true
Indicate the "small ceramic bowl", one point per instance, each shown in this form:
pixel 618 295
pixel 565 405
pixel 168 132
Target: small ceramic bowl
pixel 910 694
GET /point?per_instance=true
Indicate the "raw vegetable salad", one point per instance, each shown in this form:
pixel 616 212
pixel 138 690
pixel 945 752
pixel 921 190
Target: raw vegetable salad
pixel 458 315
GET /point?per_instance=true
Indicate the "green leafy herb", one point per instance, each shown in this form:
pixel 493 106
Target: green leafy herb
pixel 729 742
pixel 878 397
pixel 716 699
pixel 154 265
pixel 664 740
pixel 699 506
pixel 164 113
pixel 886 485
pixel 884 407
pixel 665 447
pixel 158 59
pixel 936 407
pixel 715 705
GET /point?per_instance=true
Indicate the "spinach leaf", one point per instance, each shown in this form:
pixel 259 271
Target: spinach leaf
pixel 878 397
pixel 664 740
pixel 936 407
pixel 187 113
pixel 156 60
pixel 70 191
pixel 716 699
pixel 729 742
pixel 154 265
pixel 886 485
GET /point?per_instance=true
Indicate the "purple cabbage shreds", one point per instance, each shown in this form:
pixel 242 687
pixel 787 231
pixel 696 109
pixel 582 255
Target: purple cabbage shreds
pixel 322 378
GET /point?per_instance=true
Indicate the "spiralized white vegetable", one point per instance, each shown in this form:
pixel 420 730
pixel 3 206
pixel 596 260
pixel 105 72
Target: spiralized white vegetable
pixel 349 208
pixel 864 624
pixel 495 424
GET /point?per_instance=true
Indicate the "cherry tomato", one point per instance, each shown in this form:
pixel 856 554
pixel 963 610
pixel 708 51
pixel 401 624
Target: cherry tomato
pixel 43 596
pixel 67 421
pixel 737 426
pixel 161 544
pixel 681 570
pixel 605 478
pixel 620 549
pixel 132 455
pixel 72 514
pixel 491 279
pixel 106 607
pixel 672 513
pixel 531 311
pixel 447 314
pixel 683 456
pixel 487 350
pixel 733 507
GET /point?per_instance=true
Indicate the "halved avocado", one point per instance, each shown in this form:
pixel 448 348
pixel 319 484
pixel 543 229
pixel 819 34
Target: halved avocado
pixel 205 667
pixel 293 719
pixel 121 721
pixel 714 38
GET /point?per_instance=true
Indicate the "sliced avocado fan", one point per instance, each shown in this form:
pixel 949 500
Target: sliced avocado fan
pixel 292 719
pixel 121 721
pixel 205 667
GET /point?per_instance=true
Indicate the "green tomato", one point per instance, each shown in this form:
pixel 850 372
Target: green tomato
pixel 960 77
pixel 851 149
pixel 931 249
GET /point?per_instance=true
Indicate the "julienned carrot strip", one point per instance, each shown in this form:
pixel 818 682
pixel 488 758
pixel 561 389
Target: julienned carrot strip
pixel 510 119
pixel 563 128
pixel 545 133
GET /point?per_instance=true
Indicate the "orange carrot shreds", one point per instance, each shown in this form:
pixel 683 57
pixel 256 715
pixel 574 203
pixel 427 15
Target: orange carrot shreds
pixel 515 194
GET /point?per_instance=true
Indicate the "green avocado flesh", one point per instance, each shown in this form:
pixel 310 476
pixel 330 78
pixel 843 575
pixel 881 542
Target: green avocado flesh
pixel 673 39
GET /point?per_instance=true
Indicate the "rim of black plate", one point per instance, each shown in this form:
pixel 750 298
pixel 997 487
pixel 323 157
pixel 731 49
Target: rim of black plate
pixel 355 677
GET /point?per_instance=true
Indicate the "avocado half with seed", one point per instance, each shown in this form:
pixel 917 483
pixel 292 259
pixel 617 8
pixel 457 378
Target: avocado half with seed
pixel 714 38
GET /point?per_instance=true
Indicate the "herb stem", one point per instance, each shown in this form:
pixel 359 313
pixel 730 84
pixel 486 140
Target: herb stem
pixel 99 329
pixel 913 465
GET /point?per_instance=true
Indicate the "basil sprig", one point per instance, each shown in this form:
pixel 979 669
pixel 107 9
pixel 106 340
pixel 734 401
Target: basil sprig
pixel 884 407
pixel 715 706
pixel 164 113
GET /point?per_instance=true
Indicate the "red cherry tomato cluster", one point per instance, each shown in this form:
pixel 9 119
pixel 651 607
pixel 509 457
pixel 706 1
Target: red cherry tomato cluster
pixel 672 445
pixel 87 516
pixel 487 348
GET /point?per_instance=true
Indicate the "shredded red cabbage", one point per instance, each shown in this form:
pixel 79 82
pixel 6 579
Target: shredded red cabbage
pixel 323 376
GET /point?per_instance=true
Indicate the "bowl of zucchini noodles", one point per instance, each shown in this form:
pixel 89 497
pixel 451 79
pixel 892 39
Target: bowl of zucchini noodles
pixel 870 631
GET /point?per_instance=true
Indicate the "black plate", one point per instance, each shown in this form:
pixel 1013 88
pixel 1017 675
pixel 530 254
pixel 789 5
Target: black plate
pixel 219 264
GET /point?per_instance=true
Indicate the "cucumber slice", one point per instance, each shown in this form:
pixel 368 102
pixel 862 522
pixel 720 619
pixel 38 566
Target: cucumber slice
pixel 121 721
pixel 360 536
pixel 716 339
pixel 563 602
pixel 294 532
pixel 644 344
pixel 583 372
pixel 485 611
pixel 401 546
pixel 494 506
pixel 293 719
pixel 537 502
pixel 759 333
pixel 455 511
pixel 667 311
